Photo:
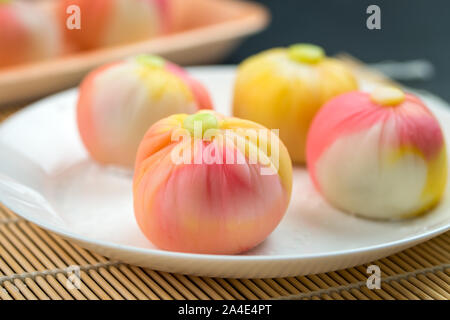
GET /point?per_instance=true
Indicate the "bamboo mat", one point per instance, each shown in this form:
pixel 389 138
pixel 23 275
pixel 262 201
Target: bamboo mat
pixel 36 264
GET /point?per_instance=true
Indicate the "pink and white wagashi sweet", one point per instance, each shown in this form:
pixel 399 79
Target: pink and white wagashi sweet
pixel 380 155
pixel 118 102
pixel 27 33
pixel 112 22
pixel 226 196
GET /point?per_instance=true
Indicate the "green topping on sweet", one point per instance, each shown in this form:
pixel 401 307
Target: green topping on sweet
pixel 152 61
pixel 201 120
pixel 306 53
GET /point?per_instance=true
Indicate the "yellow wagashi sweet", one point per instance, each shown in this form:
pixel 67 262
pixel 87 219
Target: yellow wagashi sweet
pixel 283 88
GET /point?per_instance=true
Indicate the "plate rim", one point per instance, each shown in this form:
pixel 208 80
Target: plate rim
pixel 243 258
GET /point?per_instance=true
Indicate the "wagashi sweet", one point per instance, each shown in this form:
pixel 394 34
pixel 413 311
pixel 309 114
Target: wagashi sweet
pixel 27 33
pixel 379 155
pixel 118 102
pixel 104 23
pixel 206 183
pixel 283 88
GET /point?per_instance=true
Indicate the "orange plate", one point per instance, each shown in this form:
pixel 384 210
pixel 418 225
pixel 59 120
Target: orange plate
pixel 206 30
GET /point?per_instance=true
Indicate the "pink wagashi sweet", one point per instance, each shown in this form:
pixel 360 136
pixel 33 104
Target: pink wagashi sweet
pixel 112 22
pixel 379 155
pixel 120 101
pixel 27 33
pixel 201 192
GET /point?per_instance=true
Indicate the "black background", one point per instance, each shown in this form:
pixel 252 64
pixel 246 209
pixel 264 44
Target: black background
pixel 410 29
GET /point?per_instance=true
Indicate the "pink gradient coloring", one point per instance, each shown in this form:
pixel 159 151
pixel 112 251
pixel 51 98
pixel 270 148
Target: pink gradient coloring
pixel 27 34
pixel 13 37
pixel 118 102
pixel 211 207
pixel 114 22
pixel 200 93
pixel 380 155
pixel 355 111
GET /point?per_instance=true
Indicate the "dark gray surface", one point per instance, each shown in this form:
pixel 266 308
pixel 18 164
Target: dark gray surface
pixel 410 29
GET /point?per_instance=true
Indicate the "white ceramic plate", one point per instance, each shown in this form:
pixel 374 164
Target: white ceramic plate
pixel 47 177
